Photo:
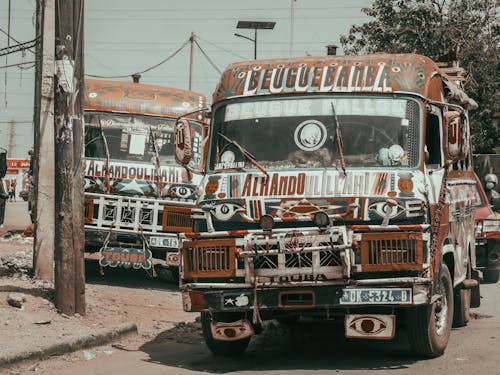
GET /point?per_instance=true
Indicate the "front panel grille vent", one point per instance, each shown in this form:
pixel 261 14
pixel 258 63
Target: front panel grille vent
pixel 391 251
pixel 177 219
pixel 208 258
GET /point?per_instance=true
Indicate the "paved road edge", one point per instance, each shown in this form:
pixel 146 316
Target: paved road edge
pixel 69 344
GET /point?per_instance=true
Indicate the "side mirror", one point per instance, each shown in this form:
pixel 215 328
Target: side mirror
pixel 456 140
pixel 3 163
pixel 183 149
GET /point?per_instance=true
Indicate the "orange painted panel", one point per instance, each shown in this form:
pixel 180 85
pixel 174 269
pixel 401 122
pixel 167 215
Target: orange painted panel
pixel 139 98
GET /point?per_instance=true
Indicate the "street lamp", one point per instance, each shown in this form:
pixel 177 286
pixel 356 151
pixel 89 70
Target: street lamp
pixel 255 25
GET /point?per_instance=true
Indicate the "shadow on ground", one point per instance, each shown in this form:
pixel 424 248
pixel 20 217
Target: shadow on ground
pixel 308 346
pixel 134 279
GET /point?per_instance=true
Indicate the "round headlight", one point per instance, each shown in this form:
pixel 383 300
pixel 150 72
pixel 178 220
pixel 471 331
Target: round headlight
pixel 321 219
pixel 266 222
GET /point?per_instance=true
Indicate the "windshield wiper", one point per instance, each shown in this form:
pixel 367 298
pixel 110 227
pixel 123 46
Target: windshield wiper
pixel 157 161
pixel 245 153
pixel 338 136
pixel 107 178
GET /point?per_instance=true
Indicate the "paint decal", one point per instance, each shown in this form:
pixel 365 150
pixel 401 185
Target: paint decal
pixel 310 135
pixel 370 326
pixel 236 300
pixel 125 258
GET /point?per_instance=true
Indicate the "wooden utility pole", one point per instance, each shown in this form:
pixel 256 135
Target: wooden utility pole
pixel 43 171
pixel 68 114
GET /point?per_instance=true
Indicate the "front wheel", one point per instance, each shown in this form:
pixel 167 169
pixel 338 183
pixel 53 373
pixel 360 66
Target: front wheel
pixel 491 277
pixel 429 327
pixel 218 347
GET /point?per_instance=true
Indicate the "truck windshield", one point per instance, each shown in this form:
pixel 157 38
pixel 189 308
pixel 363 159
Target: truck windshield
pixel 136 138
pixel 301 133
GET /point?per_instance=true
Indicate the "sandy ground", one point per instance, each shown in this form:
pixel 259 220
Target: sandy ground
pixel 117 297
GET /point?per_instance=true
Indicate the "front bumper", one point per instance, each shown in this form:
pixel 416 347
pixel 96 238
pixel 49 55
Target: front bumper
pixel 239 298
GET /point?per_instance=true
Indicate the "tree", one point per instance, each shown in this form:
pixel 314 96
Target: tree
pixel 471 28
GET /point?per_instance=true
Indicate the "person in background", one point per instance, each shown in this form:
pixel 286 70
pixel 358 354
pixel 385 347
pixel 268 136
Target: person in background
pixel 3 198
pixel 14 185
pixel 3 193
pixel 10 191
pixel 490 184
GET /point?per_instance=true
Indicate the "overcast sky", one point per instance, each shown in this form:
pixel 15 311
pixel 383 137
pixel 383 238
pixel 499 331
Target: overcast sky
pixel 127 36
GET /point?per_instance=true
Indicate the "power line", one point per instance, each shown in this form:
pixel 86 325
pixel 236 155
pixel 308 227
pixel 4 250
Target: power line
pixel 21 63
pixel 18 47
pixel 221 48
pixel 205 19
pixel 145 70
pixel 15 121
pixel 218 10
pixel 13 39
pixel 208 58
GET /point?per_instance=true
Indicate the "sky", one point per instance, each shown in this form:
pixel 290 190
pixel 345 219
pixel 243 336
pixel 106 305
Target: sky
pixel 123 37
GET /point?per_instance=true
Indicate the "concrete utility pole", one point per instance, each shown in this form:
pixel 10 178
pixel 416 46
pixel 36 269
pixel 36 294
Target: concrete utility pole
pixel 191 56
pixel 43 171
pixel 12 138
pixel 68 114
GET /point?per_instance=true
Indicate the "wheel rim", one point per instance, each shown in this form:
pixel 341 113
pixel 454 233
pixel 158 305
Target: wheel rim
pixel 441 312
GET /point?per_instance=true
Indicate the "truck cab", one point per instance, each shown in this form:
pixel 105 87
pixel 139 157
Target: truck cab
pixel 336 187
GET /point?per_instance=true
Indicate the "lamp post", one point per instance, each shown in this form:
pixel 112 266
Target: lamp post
pixel 255 25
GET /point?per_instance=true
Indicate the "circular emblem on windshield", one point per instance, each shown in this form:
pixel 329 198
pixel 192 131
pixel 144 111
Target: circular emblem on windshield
pixel 310 135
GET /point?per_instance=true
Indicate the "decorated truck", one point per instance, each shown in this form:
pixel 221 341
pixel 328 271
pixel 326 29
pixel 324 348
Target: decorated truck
pixel 487 235
pixel 336 188
pixel 137 198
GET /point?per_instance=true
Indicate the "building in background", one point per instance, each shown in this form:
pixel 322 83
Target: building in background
pixel 17 173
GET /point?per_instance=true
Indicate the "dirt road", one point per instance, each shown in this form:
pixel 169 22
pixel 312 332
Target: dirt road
pixel 170 341
pixel 172 344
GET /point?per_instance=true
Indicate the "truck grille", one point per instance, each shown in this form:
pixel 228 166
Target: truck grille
pixel 209 258
pixel 391 251
pixel 134 215
pixel 177 219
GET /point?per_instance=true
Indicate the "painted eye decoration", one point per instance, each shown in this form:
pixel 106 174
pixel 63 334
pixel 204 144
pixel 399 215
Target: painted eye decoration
pixel 380 209
pixel 89 183
pixel 225 211
pixel 368 326
pixel 182 191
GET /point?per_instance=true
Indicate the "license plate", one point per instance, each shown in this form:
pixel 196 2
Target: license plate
pixel 376 296
pixel 164 242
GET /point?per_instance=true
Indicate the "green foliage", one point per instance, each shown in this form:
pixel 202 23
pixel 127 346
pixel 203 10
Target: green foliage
pixel 433 28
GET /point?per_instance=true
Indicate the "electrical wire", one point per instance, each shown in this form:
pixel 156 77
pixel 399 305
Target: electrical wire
pixel 22 63
pixel 208 58
pixel 14 39
pixel 205 19
pixel 18 47
pixel 221 48
pixel 145 70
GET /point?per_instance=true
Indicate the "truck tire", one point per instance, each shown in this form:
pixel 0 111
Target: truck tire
pixel 221 348
pixel 491 277
pixel 429 327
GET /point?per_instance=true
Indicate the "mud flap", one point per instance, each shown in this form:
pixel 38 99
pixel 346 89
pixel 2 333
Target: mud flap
pixel 370 326
pixel 233 331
